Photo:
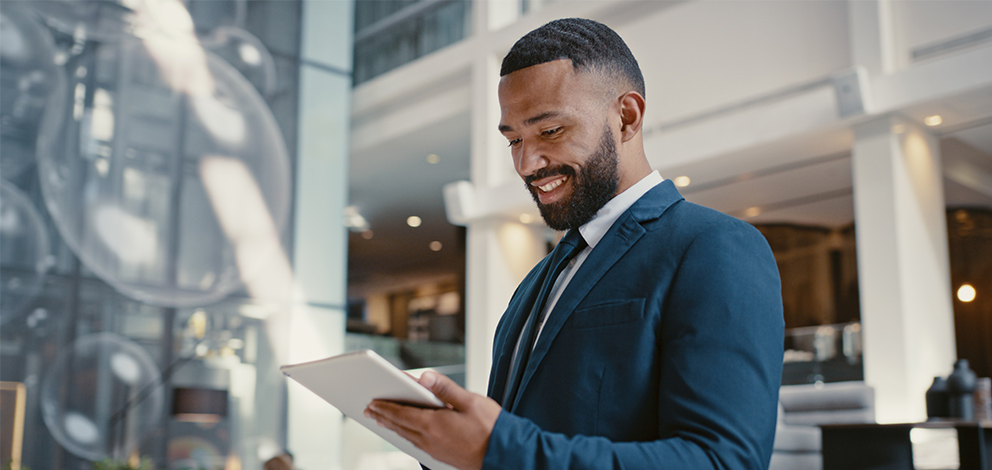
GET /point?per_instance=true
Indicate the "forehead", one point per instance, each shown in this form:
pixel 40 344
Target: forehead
pixel 549 87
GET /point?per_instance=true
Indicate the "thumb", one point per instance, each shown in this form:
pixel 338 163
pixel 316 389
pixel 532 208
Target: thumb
pixel 445 389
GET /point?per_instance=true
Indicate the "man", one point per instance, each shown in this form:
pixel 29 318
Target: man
pixel 660 343
pixel 283 461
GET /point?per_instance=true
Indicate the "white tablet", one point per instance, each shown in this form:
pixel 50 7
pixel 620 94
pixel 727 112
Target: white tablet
pixel 351 381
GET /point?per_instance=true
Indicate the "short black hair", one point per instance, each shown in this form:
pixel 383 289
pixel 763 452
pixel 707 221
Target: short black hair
pixel 588 44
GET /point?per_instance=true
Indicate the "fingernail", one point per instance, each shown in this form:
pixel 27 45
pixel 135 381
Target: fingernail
pixel 367 413
pixel 428 379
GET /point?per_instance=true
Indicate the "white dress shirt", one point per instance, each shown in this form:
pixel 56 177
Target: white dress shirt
pixel 593 232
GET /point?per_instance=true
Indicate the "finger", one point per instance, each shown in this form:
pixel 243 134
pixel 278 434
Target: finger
pixel 388 421
pixel 446 389
pixel 409 417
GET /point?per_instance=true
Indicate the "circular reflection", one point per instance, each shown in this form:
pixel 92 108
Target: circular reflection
pixel 24 252
pixel 88 398
pixel 247 54
pixel 29 75
pixel 80 428
pixel 171 183
pixel 126 368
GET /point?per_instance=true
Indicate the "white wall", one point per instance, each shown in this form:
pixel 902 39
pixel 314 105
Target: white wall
pixel 698 56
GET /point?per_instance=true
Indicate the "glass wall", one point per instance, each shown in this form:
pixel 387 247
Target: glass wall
pixel 149 213
pixel 390 33
pixel 820 298
pixel 969 234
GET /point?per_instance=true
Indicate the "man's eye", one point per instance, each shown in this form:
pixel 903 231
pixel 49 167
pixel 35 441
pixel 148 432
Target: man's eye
pixel 514 142
pixel 551 131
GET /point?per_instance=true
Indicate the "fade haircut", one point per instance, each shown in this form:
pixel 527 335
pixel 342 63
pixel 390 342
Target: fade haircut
pixel 588 44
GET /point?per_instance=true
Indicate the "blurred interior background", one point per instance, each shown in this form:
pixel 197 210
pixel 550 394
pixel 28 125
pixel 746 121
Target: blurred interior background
pixel 195 192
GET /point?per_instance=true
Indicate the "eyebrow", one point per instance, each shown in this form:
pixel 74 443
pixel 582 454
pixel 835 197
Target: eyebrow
pixel 532 121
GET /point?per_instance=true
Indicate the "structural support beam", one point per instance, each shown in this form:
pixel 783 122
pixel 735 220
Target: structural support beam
pixel 317 316
pixel 903 265
pixel 872 30
pixel 499 250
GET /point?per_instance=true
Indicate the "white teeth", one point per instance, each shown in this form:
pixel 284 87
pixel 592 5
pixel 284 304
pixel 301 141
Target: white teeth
pixel 552 185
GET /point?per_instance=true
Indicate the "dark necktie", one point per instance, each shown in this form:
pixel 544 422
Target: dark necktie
pixel 569 246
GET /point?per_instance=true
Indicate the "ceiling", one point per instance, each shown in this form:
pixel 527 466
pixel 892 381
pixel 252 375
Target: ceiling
pixel 392 181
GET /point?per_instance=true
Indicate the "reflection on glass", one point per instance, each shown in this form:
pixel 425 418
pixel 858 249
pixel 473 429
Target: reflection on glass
pixel 82 20
pixel 246 53
pixel 29 76
pixel 24 252
pixel 390 34
pixel 102 396
pixel 210 15
pixel 118 161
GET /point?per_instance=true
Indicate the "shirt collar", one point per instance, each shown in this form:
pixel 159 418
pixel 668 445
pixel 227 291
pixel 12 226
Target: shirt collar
pixel 594 230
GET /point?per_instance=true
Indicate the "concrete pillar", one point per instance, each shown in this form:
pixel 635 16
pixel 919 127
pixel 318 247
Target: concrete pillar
pixel 872 33
pixel 499 250
pixel 316 328
pixel 904 273
pixel 494 15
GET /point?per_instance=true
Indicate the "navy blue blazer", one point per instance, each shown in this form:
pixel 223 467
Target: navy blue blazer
pixel 664 351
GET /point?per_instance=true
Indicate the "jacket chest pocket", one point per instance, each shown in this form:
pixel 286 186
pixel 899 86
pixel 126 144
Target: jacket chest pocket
pixel 607 314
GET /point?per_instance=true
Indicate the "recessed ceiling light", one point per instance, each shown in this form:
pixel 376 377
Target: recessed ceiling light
pixel 966 293
pixel 752 211
pixel 934 120
pixel 367 234
pixel 436 245
pixel 413 221
pixel 526 218
pixel 433 159
pixel 681 181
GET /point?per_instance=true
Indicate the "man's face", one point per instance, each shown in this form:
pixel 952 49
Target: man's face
pixel 562 145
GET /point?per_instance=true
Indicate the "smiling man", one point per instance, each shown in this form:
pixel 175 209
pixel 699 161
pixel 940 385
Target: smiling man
pixel 651 337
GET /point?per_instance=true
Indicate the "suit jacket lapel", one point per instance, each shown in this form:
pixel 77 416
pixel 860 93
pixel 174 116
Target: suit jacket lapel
pixel 618 240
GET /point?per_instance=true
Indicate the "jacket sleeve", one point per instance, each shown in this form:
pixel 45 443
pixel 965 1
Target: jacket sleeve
pixel 720 350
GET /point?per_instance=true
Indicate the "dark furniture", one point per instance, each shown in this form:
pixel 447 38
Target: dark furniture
pixel 888 446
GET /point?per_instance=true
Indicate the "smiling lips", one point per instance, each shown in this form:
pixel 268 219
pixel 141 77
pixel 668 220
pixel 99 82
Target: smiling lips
pixel 551 185
pixel 547 189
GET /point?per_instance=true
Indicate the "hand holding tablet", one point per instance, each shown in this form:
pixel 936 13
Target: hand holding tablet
pixel 351 381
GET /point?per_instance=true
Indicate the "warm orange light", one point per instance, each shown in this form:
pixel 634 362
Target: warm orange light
pixel 526 218
pixel 413 221
pixel 682 181
pixel 934 120
pixel 752 212
pixel 966 293
pixel 436 245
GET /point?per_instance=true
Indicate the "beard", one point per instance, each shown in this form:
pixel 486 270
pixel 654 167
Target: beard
pixel 592 187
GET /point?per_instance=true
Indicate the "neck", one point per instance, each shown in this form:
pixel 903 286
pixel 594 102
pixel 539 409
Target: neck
pixel 634 168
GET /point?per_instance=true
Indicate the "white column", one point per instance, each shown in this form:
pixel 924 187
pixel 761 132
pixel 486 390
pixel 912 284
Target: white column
pixel 496 14
pixel 903 266
pixel 317 325
pixel 499 251
pixel 872 33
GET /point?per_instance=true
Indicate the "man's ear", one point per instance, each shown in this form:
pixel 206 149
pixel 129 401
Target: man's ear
pixel 631 114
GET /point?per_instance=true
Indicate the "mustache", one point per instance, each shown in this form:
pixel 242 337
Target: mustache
pixel 563 170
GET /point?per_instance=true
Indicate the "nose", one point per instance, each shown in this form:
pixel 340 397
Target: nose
pixel 529 159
